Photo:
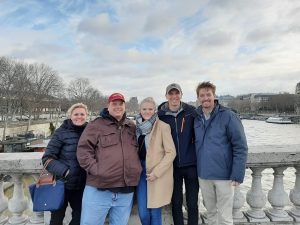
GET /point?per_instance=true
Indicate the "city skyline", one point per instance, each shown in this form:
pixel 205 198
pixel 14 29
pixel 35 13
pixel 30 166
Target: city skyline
pixel 139 47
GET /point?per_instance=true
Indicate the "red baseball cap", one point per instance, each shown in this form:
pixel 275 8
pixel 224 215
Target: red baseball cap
pixel 116 96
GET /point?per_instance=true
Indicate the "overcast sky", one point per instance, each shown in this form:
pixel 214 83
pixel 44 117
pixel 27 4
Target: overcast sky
pixel 138 47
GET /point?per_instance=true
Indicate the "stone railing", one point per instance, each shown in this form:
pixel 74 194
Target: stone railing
pixel 252 206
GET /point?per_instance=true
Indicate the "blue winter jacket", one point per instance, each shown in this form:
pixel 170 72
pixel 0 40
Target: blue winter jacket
pixel 221 145
pixel 62 148
pixel 182 133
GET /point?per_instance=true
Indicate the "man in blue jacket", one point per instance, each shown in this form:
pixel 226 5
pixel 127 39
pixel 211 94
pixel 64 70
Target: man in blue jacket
pixel 221 149
pixel 179 116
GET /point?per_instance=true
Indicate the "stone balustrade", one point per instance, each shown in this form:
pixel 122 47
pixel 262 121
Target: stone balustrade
pixel 254 206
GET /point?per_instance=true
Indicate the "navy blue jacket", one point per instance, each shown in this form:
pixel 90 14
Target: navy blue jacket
pixel 221 145
pixel 182 132
pixel 62 148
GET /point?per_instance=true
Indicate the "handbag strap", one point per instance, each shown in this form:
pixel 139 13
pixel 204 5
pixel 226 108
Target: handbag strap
pixel 43 172
pixel 45 166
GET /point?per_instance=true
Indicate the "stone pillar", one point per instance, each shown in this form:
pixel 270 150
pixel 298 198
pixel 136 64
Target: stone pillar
pixel 3 203
pixel 18 203
pixel 38 217
pixel 295 197
pixel 278 198
pixel 255 198
pixel 238 203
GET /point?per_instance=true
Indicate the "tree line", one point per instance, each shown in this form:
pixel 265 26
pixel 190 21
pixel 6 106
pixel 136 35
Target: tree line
pixel 29 90
pixel 279 103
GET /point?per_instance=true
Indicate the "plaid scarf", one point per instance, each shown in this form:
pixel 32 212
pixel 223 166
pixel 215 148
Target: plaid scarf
pixel 144 127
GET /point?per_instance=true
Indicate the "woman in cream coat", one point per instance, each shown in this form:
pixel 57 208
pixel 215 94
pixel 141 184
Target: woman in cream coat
pixel 157 152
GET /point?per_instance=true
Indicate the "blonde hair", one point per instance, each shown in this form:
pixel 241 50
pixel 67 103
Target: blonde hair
pixel 76 106
pixel 148 100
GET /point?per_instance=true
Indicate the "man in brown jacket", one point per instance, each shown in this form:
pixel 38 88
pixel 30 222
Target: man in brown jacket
pixel 107 150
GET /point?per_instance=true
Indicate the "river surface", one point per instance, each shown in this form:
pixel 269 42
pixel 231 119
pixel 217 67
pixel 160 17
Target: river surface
pixel 261 133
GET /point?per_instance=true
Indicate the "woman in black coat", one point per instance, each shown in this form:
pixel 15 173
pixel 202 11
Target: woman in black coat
pixel 62 149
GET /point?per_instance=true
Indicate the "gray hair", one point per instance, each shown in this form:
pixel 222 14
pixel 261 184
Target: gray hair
pixel 148 100
pixel 76 106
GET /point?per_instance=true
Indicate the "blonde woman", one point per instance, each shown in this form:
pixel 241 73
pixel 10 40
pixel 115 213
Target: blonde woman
pixel 156 152
pixel 62 149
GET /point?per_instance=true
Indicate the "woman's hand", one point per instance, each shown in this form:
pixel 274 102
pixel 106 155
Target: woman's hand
pixel 151 177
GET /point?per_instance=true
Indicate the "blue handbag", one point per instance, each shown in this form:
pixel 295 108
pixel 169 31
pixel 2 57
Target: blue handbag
pixel 47 194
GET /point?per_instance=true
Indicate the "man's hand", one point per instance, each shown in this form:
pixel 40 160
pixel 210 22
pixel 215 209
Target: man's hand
pixel 235 183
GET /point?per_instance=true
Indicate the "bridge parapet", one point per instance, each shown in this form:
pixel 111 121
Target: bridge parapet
pixel 252 206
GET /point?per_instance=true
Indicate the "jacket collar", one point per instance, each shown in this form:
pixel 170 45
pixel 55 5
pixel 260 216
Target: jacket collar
pixel 218 108
pixel 163 108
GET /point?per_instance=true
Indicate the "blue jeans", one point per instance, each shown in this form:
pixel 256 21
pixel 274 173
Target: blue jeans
pixel 147 216
pixel 96 204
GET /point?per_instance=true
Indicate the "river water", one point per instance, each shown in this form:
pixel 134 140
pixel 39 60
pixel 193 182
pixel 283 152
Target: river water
pixel 261 133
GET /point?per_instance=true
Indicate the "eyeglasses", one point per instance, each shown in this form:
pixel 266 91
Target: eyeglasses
pixel 79 114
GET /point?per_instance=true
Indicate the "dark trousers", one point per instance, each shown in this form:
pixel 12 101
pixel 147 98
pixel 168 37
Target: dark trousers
pixel 74 197
pixel 189 176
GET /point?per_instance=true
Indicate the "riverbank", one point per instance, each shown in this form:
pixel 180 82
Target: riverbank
pixel 263 117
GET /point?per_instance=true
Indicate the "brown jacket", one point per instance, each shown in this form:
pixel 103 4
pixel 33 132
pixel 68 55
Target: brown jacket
pixel 159 160
pixel 109 155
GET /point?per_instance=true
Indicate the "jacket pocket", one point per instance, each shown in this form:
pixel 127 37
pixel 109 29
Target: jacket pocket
pixel 109 139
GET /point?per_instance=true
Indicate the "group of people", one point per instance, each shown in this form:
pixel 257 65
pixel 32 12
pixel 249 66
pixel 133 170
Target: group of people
pixel 109 159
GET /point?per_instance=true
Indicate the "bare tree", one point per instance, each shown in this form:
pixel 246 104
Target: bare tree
pixel 282 103
pixel 45 84
pixel 132 106
pixel 80 90
pixel 13 77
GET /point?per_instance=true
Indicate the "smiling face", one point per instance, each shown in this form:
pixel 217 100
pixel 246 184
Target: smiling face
pixel 147 110
pixel 206 99
pixel 174 98
pixel 78 116
pixel 116 109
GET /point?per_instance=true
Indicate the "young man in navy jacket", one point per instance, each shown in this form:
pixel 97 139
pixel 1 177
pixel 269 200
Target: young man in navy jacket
pixel 179 116
pixel 221 149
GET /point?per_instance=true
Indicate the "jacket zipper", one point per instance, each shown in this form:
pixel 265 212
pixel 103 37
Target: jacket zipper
pixel 121 134
pixel 177 140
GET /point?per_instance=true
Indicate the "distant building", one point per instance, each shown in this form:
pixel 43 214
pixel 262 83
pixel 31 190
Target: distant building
pixel 297 91
pixel 225 99
pixel 255 99
pixel 244 97
pixel 260 97
pixel 297 98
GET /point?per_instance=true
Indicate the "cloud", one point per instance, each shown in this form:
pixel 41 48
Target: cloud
pixel 138 47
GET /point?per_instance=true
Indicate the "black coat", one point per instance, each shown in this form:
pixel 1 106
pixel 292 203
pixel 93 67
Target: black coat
pixel 182 130
pixel 62 148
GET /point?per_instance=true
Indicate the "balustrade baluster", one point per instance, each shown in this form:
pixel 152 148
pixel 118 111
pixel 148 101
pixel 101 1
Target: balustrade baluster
pixel 38 217
pixel 255 198
pixel 238 203
pixel 295 197
pixel 18 203
pixel 278 198
pixel 3 203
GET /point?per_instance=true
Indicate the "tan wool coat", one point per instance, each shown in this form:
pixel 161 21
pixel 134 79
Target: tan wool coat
pixel 159 160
